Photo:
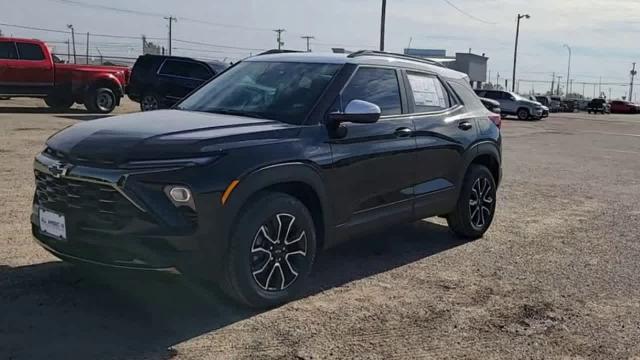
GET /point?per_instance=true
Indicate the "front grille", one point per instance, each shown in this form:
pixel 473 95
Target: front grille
pixel 87 205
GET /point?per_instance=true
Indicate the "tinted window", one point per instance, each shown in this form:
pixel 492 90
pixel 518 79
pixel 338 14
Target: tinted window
pixel 279 91
pixel 8 50
pixel 30 51
pixel 185 69
pixel 465 93
pixel 428 93
pixel 377 86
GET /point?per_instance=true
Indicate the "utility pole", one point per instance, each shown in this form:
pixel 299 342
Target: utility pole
pixel 87 62
pixel 600 87
pixel 307 37
pixel 558 90
pixel 144 43
pixel 609 93
pixel 73 39
pixel 633 75
pixel 515 51
pixel 171 21
pixel 568 69
pixel 498 81
pixel 382 23
pixel 279 38
pixel 583 86
pixel 553 82
pixel 68 51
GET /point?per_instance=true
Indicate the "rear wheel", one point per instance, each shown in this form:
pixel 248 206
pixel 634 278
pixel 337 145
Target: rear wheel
pixel 272 251
pixel 101 100
pixel 58 103
pixel 149 102
pixel 476 205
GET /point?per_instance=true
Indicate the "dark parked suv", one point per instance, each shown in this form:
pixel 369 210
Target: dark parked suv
pixel 158 82
pixel 278 157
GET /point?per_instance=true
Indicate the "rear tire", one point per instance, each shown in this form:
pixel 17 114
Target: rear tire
pixel 476 204
pixel 272 250
pixel 101 100
pixel 58 103
pixel 149 102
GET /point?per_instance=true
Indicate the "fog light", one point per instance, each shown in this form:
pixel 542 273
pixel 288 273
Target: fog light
pixel 180 194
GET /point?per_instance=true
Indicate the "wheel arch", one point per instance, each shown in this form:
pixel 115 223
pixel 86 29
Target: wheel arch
pixel 300 180
pixel 108 81
pixel 488 155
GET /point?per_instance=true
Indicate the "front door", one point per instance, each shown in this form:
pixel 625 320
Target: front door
pixel 373 164
pixel 33 72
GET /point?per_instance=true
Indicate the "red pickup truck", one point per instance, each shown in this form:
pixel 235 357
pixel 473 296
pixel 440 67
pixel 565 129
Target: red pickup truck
pixel 28 69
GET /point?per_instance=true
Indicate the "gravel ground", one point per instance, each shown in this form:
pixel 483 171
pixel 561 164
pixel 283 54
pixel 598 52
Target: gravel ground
pixel 555 277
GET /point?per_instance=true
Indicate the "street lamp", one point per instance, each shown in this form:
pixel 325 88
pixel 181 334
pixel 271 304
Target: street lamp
pixel 568 69
pixel 515 51
pixel 382 23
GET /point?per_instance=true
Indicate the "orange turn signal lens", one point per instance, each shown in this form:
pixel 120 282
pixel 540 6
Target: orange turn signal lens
pixel 227 192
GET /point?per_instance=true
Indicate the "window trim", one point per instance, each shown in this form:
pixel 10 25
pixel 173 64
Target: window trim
pixel 454 101
pixel 44 56
pixel 401 90
pixel 15 47
pixel 158 72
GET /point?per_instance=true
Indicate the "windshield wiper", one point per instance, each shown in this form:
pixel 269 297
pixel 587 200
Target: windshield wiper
pixel 252 114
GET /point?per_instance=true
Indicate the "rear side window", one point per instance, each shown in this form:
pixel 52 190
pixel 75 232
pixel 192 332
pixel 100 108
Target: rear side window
pixel 377 86
pixel 30 51
pixel 8 50
pixel 185 69
pixel 428 93
pixel 468 97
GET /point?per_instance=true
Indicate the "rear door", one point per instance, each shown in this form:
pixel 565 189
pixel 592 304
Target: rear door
pixel 8 60
pixel 177 78
pixel 33 71
pixel 444 132
pixel 374 164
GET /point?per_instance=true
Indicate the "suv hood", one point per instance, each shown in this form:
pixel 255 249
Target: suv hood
pixel 163 134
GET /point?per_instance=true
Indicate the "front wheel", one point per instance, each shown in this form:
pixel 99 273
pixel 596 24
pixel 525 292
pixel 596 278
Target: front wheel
pixel 523 114
pixel 149 102
pixel 272 251
pixel 476 205
pixel 101 100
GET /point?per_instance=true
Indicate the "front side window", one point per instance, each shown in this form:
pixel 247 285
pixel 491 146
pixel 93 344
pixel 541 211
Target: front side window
pixel 377 86
pixel 282 91
pixel 8 51
pixel 428 93
pixel 30 51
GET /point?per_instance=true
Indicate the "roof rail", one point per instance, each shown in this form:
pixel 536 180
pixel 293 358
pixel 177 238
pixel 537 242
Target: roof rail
pixel 395 55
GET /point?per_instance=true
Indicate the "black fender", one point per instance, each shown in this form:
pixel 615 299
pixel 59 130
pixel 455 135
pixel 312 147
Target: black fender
pixel 487 147
pixel 273 175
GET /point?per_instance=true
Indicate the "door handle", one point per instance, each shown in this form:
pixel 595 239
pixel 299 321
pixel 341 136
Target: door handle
pixel 403 132
pixel 465 125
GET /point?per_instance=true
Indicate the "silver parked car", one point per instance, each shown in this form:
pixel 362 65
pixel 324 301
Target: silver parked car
pixel 514 104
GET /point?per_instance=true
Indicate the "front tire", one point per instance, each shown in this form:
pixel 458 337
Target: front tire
pixel 523 114
pixel 101 100
pixel 272 250
pixel 476 205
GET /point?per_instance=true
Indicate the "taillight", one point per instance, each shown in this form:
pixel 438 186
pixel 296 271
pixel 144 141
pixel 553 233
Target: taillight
pixel 496 119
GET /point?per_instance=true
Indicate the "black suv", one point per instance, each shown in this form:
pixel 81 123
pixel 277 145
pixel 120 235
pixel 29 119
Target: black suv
pixel 278 157
pixel 158 82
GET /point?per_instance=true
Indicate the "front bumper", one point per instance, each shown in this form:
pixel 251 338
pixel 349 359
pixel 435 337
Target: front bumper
pixel 123 219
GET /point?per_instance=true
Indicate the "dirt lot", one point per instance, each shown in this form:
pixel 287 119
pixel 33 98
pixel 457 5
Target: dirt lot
pixel 556 277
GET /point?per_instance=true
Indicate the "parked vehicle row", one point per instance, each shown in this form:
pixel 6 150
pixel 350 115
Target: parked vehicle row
pixel 275 159
pixel 28 69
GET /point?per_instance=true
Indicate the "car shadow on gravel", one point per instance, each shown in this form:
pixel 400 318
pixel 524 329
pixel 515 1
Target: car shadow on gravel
pixel 37 110
pixel 54 310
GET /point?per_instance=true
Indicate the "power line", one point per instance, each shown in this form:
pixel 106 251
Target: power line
pixel 215 45
pixel 467 14
pixel 69 32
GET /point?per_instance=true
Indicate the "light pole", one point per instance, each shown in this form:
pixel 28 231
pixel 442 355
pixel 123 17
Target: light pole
pixel 515 51
pixel 568 69
pixel 73 39
pixel 382 23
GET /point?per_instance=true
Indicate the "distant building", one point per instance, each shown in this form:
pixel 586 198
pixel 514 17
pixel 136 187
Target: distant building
pixel 471 64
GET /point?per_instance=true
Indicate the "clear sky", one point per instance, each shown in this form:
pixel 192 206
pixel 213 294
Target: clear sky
pixel 603 34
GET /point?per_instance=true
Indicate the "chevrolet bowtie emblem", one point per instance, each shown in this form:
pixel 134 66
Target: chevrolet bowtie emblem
pixel 59 170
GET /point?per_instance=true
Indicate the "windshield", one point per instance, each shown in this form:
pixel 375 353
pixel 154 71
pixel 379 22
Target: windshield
pixel 283 91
